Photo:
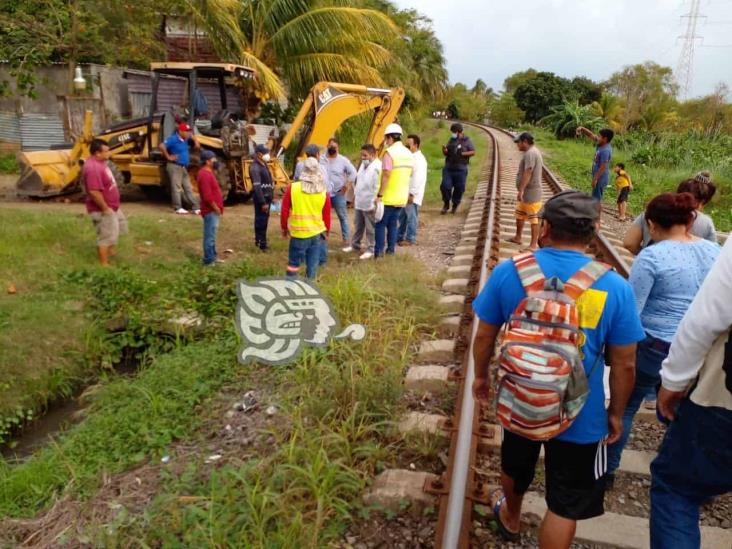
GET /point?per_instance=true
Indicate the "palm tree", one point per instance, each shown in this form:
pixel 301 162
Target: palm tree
pixel 609 108
pixel 298 42
pixel 564 119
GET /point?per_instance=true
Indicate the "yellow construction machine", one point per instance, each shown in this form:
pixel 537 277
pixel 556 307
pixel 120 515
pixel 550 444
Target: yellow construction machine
pixel 136 157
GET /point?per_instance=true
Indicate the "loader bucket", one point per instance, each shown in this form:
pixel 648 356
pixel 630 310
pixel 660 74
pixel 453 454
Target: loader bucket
pixel 47 173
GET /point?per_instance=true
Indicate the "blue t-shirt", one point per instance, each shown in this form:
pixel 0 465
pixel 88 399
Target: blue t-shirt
pixel 179 147
pixel 603 154
pixel 665 278
pixel 610 319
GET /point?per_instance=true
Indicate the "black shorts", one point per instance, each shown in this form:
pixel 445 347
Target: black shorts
pixel 623 194
pixel 575 473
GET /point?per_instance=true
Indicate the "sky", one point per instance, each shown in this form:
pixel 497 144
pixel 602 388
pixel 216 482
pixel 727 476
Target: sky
pixel 491 39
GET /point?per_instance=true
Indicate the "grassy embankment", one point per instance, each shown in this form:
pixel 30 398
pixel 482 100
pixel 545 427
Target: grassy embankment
pixel 298 489
pixel 572 159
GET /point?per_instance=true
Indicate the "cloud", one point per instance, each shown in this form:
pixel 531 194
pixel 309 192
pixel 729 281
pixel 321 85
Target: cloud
pixel 491 39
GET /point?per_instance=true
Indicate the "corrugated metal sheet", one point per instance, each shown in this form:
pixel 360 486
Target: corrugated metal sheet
pixel 262 133
pixel 9 127
pixel 40 131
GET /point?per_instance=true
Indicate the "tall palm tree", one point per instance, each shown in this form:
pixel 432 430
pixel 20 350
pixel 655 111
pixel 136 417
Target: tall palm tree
pixel 298 42
pixel 609 108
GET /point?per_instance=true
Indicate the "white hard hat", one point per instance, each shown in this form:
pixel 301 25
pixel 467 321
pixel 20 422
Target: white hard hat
pixel 393 128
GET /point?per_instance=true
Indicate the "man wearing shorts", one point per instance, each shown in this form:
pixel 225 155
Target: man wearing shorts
pixel 102 200
pixel 528 184
pixel 624 185
pixel 575 460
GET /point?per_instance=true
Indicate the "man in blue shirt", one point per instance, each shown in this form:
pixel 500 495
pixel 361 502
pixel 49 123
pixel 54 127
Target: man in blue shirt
pixel 603 157
pixel 175 150
pixel 576 459
pixel 341 175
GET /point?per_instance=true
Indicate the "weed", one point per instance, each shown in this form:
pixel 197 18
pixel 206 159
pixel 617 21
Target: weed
pixel 8 163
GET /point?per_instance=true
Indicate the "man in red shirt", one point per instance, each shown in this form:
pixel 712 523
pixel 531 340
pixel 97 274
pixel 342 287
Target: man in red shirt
pixel 102 200
pixel 212 205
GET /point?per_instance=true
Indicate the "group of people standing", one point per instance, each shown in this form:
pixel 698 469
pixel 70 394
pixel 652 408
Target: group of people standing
pixel 666 330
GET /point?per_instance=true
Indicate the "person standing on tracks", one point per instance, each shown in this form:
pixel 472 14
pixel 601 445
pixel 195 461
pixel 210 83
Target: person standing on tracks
pixel 367 184
pixel 212 205
pixel 623 185
pixel 103 200
pixel 409 217
pixel 528 184
pixel 575 459
pixel 457 152
pixel 306 218
pixel 695 459
pixel 601 162
pixel 263 188
pixel 397 165
pixel 341 175
pixel 175 149
pixel 665 278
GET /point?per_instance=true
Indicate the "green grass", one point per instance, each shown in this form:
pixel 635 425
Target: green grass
pixel 8 163
pixel 337 404
pixel 572 159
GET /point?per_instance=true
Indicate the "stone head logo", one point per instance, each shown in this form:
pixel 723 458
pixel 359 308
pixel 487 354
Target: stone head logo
pixel 278 317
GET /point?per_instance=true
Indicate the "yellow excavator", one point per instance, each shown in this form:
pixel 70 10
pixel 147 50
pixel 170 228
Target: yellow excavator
pixel 136 158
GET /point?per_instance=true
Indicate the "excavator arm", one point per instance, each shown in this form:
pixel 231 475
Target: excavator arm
pixel 330 104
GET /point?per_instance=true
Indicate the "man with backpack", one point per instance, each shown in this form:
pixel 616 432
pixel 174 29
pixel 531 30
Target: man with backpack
pixel 562 312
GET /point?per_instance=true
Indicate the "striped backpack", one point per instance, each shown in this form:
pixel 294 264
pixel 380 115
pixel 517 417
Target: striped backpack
pixel 541 380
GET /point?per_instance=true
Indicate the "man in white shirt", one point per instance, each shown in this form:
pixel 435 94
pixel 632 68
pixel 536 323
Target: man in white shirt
pixel 694 463
pixel 366 187
pixel 409 217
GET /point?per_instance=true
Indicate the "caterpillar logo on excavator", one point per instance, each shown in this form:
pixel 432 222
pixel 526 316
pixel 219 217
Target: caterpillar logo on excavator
pixel 136 158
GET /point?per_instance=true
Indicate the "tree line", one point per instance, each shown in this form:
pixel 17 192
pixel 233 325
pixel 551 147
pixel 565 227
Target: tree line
pixel 639 97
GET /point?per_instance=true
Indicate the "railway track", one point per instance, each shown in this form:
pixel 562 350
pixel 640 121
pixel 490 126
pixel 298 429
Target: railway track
pixel 472 465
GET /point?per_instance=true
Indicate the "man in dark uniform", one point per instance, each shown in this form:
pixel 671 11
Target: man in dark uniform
pixel 263 188
pixel 457 153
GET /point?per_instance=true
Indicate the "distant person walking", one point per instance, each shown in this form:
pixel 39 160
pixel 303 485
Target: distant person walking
pixel 665 278
pixel 409 216
pixel 603 157
pixel 263 187
pixel 341 174
pixel 175 149
pixel 457 152
pixel 397 165
pixel 528 184
pixel 212 205
pixel 306 218
pixel 366 187
pixel 103 200
pixel 623 185
pixel 703 190
pixel 694 463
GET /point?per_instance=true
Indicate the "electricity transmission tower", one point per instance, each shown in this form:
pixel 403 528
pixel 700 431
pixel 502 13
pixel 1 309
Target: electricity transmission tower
pixel 685 68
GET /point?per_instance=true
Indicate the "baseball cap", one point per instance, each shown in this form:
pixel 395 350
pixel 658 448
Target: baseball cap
pixel 525 136
pixel 570 205
pixel 312 150
pixel 184 127
pixel 207 155
pixel 261 149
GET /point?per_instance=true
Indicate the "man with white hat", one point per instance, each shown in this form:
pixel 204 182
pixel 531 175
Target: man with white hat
pixel 397 166
pixel 305 218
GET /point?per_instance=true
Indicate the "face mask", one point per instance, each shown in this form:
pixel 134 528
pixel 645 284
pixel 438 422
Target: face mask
pixel 332 151
pixel 216 165
pixel 266 157
pixel 366 162
pixel 453 135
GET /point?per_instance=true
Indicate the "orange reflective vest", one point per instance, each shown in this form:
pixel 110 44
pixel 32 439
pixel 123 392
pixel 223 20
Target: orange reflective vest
pixel 306 215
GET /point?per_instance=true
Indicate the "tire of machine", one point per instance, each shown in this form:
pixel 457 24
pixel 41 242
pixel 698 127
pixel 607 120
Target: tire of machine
pixel 222 175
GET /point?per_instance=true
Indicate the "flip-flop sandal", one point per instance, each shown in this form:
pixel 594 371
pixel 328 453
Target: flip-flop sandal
pixel 505 533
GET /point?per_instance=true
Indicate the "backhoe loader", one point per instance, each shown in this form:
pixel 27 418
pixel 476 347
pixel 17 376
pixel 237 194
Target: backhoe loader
pixel 136 158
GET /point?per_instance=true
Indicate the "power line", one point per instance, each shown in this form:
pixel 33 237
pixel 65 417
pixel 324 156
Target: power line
pixel 685 68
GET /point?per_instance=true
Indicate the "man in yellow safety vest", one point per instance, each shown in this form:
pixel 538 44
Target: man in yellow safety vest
pixel 305 218
pixel 396 172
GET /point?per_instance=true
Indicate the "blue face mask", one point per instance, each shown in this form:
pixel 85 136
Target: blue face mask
pixel 453 135
pixel 366 162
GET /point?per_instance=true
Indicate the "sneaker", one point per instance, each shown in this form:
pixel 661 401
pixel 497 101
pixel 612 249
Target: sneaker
pixel 197 212
pixel 347 249
pixel 443 211
pixel 181 211
pixel 649 404
pixel 366 255
pixel 220 261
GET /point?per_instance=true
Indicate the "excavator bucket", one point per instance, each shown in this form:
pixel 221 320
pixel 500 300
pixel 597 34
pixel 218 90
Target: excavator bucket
pixel 46 173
